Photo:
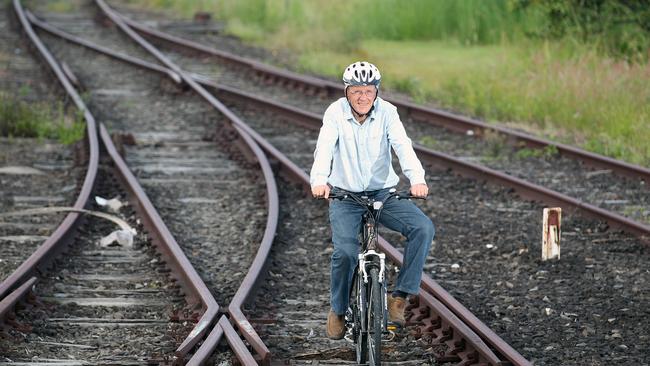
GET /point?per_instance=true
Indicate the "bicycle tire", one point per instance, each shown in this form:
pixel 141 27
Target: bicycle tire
pixel 375 318
pixel 359 327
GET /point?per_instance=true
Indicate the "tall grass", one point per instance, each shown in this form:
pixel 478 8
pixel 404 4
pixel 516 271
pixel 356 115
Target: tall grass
pixel 467 21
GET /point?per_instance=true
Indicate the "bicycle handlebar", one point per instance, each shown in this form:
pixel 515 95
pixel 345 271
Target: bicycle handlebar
pixel 399 195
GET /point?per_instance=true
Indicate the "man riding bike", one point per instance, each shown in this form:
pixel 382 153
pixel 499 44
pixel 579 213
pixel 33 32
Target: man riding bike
pixel 353 153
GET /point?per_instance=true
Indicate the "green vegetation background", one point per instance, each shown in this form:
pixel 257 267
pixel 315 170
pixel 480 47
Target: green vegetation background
pixel 576 71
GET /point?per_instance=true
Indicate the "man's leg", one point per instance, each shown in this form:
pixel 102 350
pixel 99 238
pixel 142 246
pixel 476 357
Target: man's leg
pixel 345 218
pixel 405 217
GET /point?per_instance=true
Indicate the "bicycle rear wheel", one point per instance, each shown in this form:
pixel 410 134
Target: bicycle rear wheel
pixel 375 318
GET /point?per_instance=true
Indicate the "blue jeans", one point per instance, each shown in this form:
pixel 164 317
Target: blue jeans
pixel 399 215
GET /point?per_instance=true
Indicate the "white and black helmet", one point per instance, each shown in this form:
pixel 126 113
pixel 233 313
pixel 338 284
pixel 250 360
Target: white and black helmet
pixel 361 73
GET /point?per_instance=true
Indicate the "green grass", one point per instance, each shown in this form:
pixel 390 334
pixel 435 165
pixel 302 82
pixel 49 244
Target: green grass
pixel 21 119
pixel 469 56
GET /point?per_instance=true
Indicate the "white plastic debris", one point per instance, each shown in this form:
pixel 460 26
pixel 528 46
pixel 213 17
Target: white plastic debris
pixel 113 204
pixel 470 133
pixel 489 246
pixel 455 267
pixel 122 237
pixel 548 311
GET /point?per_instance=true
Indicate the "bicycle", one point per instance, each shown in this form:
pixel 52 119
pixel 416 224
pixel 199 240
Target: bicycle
pixel 366 318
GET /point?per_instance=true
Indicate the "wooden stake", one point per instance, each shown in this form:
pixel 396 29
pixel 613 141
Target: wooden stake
pixel 551 232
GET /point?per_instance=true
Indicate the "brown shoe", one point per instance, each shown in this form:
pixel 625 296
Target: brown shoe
pixel 396 306
pixel 335 325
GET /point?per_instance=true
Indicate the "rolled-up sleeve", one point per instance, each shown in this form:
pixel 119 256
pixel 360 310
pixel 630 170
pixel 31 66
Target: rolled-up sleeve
pixel 403 148
pixel 327 140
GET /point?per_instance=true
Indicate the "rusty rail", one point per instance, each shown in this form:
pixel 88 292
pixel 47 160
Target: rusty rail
pixel 58 241
pixel 224 326
pixel 434 116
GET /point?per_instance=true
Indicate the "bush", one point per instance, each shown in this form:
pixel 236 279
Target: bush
pixel 617 27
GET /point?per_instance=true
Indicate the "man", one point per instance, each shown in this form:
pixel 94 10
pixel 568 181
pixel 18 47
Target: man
pixel 353 153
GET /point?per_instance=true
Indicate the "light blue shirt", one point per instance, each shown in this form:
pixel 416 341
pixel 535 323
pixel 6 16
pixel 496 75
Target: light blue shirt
pixel 357 157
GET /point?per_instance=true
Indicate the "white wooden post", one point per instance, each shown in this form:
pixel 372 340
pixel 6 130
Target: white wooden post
pixel 551 232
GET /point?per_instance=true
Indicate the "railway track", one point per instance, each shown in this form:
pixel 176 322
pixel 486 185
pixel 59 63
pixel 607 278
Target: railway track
pixel 298 322
pixel 99 297
pixel 202 308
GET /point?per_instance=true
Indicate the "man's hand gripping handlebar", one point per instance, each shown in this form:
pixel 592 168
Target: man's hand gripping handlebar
pixel 321 191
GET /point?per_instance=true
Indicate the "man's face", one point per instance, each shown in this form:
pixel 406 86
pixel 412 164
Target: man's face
pixel 361 97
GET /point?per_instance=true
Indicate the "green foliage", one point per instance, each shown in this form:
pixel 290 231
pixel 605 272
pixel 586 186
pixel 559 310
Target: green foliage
pixel 20 119
pixel 617 27
pixel 467 21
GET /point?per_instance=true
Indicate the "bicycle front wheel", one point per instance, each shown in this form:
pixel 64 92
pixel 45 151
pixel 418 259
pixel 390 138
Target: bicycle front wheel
pixel 375 318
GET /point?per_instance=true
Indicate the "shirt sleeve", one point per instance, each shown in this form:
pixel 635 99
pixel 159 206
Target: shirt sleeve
pixel 403 148
pixel 327 140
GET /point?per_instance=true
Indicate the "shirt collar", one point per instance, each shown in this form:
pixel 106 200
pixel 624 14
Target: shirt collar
pixel 347 111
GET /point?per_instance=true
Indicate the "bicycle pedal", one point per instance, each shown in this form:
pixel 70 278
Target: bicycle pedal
pixel 392 327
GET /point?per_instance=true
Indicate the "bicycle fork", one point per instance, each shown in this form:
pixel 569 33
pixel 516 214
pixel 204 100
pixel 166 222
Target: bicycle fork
pixel 372 257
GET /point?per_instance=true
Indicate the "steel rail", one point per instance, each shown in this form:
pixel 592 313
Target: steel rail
pixel 486 354
pixel 57 242
pixel 468 169
pixel 434 116
pixel 194 289
pixel 255 271
pixel 9 302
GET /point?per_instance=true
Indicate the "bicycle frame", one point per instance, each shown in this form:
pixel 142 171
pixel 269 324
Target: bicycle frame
pixel 368 294
pixel 369 256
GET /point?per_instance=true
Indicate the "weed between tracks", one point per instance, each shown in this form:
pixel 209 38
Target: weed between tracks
pixel 38 120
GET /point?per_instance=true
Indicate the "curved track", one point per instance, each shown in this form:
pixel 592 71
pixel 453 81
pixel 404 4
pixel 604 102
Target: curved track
pixel 194 289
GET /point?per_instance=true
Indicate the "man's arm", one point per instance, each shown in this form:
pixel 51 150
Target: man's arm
pixel 409 162
pixel 320 170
